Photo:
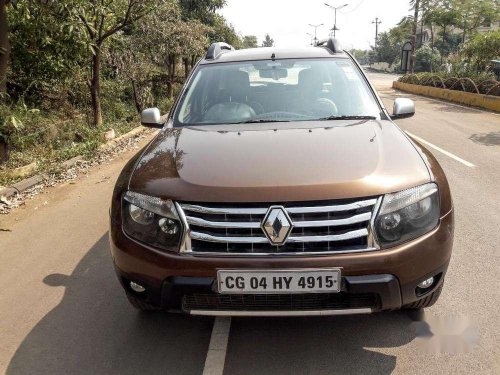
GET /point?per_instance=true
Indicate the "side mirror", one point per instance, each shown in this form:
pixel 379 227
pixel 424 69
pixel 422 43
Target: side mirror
pixel 403 107
pixel 151 117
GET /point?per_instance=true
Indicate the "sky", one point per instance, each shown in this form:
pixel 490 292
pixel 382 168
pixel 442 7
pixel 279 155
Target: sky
pixel 287 21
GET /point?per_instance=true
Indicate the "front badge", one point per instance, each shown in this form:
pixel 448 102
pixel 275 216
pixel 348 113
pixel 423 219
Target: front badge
pixel 277 225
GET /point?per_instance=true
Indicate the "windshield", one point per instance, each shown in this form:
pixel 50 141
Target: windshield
pixel 275 91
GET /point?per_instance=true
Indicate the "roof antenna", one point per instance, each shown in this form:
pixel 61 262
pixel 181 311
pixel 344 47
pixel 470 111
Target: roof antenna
pixel 273 57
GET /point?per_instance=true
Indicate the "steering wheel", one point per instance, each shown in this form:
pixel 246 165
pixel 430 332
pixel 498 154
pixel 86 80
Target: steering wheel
pixel 325 107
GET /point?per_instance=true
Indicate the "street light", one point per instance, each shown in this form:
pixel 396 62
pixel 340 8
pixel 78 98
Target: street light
pixel 315 32
pixel 335 19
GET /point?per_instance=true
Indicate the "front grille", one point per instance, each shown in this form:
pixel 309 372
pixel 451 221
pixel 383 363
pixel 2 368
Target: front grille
pixel 318 227
pixel 278 302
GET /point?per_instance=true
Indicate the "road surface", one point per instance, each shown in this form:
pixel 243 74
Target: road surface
pixel 62 311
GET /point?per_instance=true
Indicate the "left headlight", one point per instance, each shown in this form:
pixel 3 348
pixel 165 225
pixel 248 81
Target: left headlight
pixel 151 220
pixel 407 214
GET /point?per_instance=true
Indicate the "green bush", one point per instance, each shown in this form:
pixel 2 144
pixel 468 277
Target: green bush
pixel 427 59
pixel 483 83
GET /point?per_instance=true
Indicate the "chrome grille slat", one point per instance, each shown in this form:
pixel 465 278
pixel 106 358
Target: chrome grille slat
pixel 298 224
pixel 291 210
pixel 291 239
pixel 220 224
pixel 318 227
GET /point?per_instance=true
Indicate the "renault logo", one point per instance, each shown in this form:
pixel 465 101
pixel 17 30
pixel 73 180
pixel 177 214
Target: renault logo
pixel 277 225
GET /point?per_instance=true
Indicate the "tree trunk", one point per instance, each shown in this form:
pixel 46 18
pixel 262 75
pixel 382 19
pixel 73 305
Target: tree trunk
pixel 95 87
pixel 465 31
pixel 414 36
pixel 432 36
pixel 137 102
pixel 4 46
pixel 185 60
pixel 4 150
pixel 443 41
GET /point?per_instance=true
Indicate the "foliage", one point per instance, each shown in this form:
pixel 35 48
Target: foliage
pixel 481 49
pixel 389 43
pixel 483 83
pixel 427 59
pixel 268 41
pixel 67 55
pixel 249 41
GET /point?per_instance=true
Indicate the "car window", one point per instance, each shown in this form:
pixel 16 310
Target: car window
pixel 281 90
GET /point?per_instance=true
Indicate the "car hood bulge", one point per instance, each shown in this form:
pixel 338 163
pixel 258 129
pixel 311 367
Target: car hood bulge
pixel 257 163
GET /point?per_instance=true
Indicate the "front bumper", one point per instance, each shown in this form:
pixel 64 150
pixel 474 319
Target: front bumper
pixel 385 279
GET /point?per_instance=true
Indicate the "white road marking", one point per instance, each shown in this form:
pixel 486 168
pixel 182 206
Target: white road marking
pixel 455 157
pixel 216 356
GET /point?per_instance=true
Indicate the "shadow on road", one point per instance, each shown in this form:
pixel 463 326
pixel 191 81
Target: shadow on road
pixel 94 330
pixel 335 345
pixel 487 139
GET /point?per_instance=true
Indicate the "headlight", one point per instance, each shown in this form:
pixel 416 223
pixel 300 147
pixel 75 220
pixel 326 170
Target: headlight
pixel 151 220
pixel 407 214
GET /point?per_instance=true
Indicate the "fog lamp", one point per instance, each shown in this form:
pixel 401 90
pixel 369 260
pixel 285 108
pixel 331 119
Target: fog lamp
pixel 137 288
pixel 426 283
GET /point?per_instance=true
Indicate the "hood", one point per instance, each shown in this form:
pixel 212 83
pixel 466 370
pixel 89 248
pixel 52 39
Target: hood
pixel 257 163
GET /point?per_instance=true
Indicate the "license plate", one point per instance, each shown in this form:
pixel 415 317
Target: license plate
pixel 279 281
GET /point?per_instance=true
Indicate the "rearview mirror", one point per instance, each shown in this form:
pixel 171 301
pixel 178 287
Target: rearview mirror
pixel 274 73
pixel 151 117
pixel 403 107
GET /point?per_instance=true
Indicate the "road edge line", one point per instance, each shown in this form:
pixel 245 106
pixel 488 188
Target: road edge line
pixel 449 154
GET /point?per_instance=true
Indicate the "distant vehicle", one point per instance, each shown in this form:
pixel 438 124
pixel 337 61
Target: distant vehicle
pixel 279 185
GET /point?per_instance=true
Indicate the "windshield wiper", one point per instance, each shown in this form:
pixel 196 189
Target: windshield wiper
pixel 347 118
pixel 260 121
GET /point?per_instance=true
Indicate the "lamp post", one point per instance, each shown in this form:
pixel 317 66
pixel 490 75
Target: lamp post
pixel 335 12
pixel 315 32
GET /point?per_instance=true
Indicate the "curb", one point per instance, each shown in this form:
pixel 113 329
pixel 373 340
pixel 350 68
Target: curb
pixel 28 183
pixel 488 102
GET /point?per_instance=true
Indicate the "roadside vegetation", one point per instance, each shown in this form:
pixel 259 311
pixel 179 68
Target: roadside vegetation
pixel 453 39
pixel 71 70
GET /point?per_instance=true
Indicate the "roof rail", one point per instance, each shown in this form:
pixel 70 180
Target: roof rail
pixel 216 49
pixel 330 43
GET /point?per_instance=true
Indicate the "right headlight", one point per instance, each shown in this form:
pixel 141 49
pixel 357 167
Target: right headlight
pixel 407 214
pixel 151 220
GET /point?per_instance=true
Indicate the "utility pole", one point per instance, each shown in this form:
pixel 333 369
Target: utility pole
pixel 335 16
pixel 376 22
pixel 315 32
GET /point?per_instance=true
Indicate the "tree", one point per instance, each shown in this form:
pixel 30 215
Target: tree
pixel 250 41
pixel 481 49
pixel 268 41
pixel 427 59
pixel 4 46
pixel 165 39
pixel 101 20
pixel 416 8
pixel 472 13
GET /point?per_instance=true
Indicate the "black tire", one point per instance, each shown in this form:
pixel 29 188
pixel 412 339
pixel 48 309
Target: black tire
pixel 140 304
pixel 427 301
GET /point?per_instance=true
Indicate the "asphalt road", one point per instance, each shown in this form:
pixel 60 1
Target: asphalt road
pixel 62 311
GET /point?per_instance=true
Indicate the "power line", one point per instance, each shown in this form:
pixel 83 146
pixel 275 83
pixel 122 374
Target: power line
pixel 351 9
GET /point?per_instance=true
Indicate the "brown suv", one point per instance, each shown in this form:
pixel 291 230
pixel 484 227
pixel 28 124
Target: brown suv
pixel 280 186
